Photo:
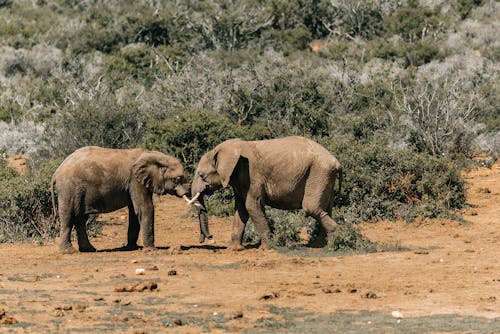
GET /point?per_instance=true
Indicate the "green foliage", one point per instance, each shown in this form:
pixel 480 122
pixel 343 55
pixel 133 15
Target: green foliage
pixel 415 53
pixel 96 120
pixel 384 183
pixel 189 134
pixel 285 227
pixel 348 237
pixel 464 7
pixel 414 22
pixel 136 62
pixel 26 204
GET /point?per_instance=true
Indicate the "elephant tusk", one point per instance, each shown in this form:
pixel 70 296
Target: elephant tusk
pixel 192 201
pixel 186 199
pixel 194 198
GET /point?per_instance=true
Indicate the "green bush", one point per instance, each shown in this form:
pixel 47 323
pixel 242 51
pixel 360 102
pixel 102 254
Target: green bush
pixel 414 22
pixel 385 183
pixel 26 204
pixel 190 134
pixel 99 120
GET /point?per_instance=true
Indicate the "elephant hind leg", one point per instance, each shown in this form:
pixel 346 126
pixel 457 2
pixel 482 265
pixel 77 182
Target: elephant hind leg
pixel 67 219
pixel 84 244
pixel 256 211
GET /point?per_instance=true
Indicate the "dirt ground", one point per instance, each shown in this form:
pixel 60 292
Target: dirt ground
pixel 450 268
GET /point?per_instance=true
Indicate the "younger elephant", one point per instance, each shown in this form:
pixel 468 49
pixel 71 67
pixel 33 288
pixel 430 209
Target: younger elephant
pixel 96 180
pixel 286 173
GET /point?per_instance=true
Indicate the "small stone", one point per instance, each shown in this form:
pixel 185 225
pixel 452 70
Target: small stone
pixel 269 295
pixel 58 313
pixel 140 271
pixel 236 315
pixel 172 272
pixel 99 299
pixel 327 290
pixel 352 290
pixel 177 322
pixel 152 268
pixel 125 303
pixel 370 295
pixel 80 308
pixel 397 314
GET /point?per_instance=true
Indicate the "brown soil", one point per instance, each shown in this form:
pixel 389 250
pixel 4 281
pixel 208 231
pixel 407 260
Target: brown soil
pixel 452 268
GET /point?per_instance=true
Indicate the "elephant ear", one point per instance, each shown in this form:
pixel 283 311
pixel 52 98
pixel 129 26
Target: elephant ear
pixel 225 160
pixel 149 170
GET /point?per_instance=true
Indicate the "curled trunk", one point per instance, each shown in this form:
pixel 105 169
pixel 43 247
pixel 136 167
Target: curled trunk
pixel 203 218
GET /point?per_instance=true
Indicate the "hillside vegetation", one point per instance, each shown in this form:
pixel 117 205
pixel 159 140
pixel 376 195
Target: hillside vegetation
pixel 400 91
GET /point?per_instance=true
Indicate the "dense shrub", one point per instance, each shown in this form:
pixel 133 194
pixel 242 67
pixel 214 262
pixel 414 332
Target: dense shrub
pixel 26 205
pixel 384 183
pixel 99 120
pixel 189 134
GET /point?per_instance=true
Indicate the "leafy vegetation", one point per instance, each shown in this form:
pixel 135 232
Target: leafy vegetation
pixel 397 90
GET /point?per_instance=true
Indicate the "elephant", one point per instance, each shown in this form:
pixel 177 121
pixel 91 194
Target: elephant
pixel 97 180
pixel 285 173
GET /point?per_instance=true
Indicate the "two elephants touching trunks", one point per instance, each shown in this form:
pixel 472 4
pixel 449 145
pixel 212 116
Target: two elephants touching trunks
pixel 287 173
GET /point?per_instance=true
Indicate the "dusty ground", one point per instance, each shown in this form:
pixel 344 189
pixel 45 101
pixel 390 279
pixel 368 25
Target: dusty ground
pixel 450 268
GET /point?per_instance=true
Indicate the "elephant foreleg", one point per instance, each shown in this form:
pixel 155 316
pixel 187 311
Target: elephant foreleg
pixel 256 212
pixel 144 209
pixel 240 220
pixel 84 244
pixel 133 229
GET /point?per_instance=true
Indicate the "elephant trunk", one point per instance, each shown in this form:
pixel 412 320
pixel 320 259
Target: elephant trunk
pixel 203 218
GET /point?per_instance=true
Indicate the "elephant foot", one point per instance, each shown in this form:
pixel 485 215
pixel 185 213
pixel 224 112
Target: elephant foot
pixel 149 249
pixel 265 245
pixel 87 249
pixel 130 247
pixel 236 247
pixel 67 250
pixel 320 241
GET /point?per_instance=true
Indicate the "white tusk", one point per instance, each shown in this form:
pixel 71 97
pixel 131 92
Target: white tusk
pixel 194 198
pixel 186 199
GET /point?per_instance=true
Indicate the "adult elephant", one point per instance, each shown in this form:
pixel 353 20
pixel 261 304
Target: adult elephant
pixel 285 173
pixel 96 180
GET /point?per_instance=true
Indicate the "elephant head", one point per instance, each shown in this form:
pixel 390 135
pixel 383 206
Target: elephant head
pixel 161 174
pixel 216 167
pixel 214 172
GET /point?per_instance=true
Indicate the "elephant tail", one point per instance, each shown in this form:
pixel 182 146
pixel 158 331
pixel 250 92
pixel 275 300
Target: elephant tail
pixel 54 210
pixel 340 181
pixel 339 194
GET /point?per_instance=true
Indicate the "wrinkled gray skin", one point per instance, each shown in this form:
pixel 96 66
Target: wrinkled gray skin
pixel 96 180
pixel 287 173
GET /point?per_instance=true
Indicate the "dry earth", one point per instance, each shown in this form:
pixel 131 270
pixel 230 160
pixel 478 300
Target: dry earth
pixel 451 268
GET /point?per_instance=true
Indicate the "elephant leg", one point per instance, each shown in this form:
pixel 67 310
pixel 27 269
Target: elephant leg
pixel 84 244
pixel 66 218
pixel 317 203
pixel 142 202
pixel 133 229
pixel 240 220
pixel 255 209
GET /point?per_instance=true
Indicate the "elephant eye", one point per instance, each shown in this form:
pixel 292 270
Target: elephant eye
pixel 178 179
pixel 202 175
